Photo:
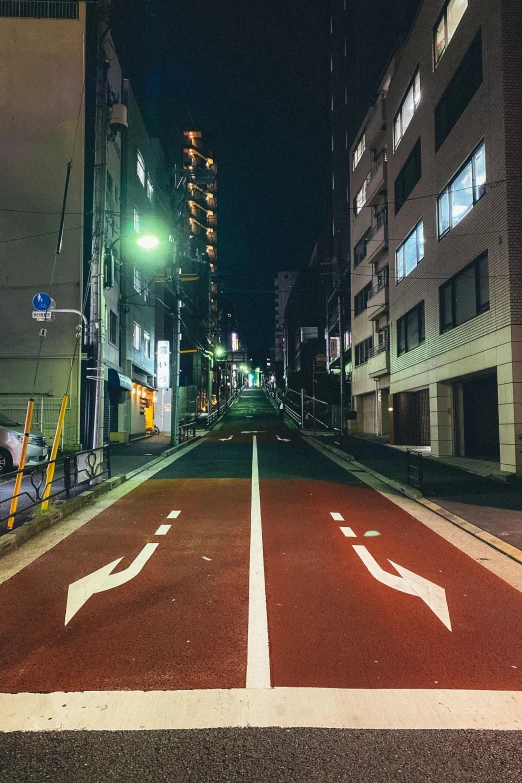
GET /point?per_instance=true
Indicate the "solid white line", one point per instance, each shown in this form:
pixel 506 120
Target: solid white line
pixel 348 532
pixel 258 661
pixel 162 530
pixel 173 515
pixel 336 516
pixel 284 707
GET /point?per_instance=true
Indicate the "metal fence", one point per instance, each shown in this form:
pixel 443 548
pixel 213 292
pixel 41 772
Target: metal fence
pixel 45 416
pixel 74 473
pixel 40 9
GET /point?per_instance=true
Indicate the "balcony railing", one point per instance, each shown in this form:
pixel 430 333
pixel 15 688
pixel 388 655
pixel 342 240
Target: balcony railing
pixel 382 283
pixel 377 349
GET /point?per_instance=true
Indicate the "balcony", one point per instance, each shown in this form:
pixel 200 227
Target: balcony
pixel 379 360
pixel 377 239
pixel 376 180
pixel 376 126
pixel 378 298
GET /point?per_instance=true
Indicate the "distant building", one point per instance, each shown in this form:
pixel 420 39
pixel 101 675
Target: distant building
pixel 283 286
pixel 437 278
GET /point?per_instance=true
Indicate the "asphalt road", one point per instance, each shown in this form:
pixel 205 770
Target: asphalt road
pixel 252 611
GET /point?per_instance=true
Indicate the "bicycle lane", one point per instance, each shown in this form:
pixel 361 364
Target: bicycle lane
pixel 177 550
pixel 360 594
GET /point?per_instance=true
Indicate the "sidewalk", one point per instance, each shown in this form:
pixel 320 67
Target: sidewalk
pixel 494 506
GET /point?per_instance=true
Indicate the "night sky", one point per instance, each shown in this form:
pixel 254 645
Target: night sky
pixel 253 73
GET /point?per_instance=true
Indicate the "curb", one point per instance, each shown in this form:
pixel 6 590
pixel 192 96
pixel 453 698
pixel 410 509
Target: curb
pixel 487 538
pixel 11 541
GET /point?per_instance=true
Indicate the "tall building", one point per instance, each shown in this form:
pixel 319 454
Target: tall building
pixel 199 265
pixel 453 186
pixel 283 286
pixel 70 117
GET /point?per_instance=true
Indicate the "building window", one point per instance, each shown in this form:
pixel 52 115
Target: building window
pixel 137 280
pixel 448 22
pixel 408 176
pixel 136 336
pixel 410 329
pixel 146 293
pixel 109 183
pixel 146 344
pixel 465 189
pixel 407 109
pixel 362 351
pixel 464 84
pixel 113 328
pixel 150 190
pixel 360 199
pixel 409 253
pixel 136 221
pixel 360 249
pixel 140 168
pixel 465 295
pixel 358 151
pixel 360 300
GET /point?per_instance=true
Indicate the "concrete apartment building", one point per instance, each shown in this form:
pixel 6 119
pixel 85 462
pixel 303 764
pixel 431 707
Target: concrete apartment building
pixel 62 98
pixel 451 112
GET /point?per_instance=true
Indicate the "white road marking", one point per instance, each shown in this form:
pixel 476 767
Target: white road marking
pixel 251 432
pixel 336 516
pixel 333 708
pixel 102 579
pixel 162 530
pixel 258 661
pixel 206 558
pixel 283 440
pixel 229 438
pixel 173 515
pixel 348 532
pixel 409 582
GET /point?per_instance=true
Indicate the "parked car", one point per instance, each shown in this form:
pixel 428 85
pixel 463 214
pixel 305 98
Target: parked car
pixel 11 438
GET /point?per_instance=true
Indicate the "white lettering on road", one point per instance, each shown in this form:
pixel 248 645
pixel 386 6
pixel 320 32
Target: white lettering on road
pixel 408 582
pixel 258 661
pixel 102 579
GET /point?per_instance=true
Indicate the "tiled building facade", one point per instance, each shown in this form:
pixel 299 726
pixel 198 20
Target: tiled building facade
pixel 452 189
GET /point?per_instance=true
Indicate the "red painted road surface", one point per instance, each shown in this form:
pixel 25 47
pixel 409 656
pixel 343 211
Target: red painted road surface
pixel 182 622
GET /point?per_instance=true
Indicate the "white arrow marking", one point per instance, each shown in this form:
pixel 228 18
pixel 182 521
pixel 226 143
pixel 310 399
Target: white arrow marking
pixel 408 582
pixel 283 440
pixel 229 438
pixel 102 579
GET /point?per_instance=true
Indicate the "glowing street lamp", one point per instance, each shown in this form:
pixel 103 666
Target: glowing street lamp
pixel 147 242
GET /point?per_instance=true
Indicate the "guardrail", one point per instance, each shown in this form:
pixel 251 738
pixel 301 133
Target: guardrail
pixel 73 474
pixel 414 469
pixel 186 431
pixel 220 412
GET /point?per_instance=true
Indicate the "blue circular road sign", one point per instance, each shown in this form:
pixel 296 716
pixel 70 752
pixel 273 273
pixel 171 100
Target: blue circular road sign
pixel 42 302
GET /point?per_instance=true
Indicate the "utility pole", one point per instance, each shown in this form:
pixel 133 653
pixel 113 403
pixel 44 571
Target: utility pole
pixel 341 361
pixel 176 330
pixel 96 368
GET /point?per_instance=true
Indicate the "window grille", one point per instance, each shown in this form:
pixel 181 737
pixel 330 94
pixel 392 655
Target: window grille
pixel 40 9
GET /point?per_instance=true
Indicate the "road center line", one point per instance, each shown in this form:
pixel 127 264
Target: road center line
pixel 258 661
pixel 162 530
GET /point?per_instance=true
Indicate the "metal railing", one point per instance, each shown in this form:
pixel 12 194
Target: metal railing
pixel 186 431
pixel 414 469
pixel 377 166
pixel 40 9
pixel 221 410
pixel 74 473
pixel 377 349
pixel 375 290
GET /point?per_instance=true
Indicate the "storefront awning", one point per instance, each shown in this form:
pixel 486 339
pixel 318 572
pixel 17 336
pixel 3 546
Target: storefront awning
pixel 115 378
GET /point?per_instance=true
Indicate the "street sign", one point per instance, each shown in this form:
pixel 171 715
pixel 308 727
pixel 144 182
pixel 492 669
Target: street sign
pixel 42 302
pixel 42 316
pixel 320 359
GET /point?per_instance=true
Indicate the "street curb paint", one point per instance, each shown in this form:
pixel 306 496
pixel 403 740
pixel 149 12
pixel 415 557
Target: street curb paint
pixel 487 538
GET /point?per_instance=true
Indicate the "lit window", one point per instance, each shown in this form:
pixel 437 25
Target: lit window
pixel 136 338
pixel 407 109
pixel 465 189
pixel 150 190
pixel 146 344
pixel 136 221
pixel 140 168
pixel 447 24
pixel 360 199
pixel 137 280
pixel 410 252
pixel 358 151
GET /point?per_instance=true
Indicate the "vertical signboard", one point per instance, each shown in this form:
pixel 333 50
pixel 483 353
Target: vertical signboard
pixel 163 364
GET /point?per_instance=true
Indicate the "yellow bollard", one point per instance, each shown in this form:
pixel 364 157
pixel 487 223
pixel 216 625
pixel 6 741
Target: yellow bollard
pixel 54 451
pixel 18 482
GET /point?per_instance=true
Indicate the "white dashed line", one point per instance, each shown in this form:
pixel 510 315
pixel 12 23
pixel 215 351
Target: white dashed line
pixel 336 516
pixel 162 530
pixel 348 532
pixel 207 558
pixel 173 515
